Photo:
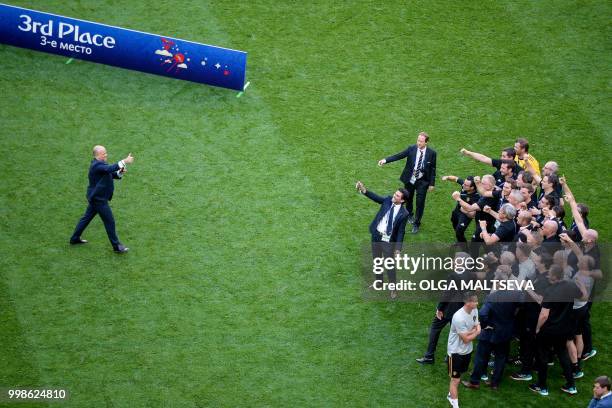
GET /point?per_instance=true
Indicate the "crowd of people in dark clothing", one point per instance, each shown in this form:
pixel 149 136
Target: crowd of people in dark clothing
pixel 522 233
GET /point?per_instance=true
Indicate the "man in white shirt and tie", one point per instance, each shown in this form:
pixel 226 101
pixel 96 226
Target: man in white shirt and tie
pixel 387 228
pixel 419 175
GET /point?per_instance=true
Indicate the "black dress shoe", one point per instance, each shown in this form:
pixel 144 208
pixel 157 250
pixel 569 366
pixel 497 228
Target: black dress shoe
pixel 120 249
pixel 78 241
pixel 494 387
pixel 415 229
pixel 470 385
pixel 425 360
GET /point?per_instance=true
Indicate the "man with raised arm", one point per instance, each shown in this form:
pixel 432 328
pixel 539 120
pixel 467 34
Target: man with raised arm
pixel 99 194
pixel 387 229
pixel 419 175
pixel 507 156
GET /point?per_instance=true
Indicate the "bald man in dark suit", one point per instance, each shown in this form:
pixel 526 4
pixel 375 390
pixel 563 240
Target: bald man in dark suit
pixel 99 193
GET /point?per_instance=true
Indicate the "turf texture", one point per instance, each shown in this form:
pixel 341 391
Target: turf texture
pixel 243 283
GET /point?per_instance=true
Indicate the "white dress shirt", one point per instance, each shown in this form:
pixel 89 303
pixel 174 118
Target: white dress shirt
pixel 416 164
pixel 382 225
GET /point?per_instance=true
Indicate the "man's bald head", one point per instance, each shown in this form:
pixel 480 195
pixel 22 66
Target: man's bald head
pixel 549 228
pixel 99 152
pixel 590 236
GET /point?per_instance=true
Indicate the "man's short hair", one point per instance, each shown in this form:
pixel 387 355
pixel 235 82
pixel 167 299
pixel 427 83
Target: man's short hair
pixel 572 234
pixel 469 296
pixel 551 200
pixel 489 259
pixel 490 178
pixel 556 272
pixel 560 257
pixel 523 143
pixel 425 135
pixel 510 164
pixel 511 182
pixel 471 180
pixel 517 196
pixel 536 237
pixel 510 152
pixel 583 209
pixel 509 210
pixel 559 211
pixel 603 381
pixel 405 193
pixel 553 179
pixel 527 177
pixel 529 188
pixel 507 258
pixel 546 258
pixel 525 215
pixel 503 272
pixel 553 165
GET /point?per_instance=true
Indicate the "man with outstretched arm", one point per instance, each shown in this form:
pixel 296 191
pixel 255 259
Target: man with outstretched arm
pixel 99 194
pixel 419 175
pixel 387 229
pixel 507 157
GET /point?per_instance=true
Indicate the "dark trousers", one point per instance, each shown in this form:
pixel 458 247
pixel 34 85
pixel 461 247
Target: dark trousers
pixel 420 186
pixel 586 333
pixel 381 249
pixel 483 351
pixel 527 350
pixel 102 208
pixel 558 345
pixel 527 320
pixel 460 223
pixel 434 334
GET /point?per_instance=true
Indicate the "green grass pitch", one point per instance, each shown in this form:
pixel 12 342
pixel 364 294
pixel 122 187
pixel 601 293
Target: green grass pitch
pixel 243 285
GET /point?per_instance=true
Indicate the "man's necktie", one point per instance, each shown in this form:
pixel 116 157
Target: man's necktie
pixel 390 221
pixel 419 165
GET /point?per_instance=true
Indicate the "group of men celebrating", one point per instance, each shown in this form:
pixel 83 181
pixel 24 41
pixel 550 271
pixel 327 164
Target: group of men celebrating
pixel 389 225
pixel 521 232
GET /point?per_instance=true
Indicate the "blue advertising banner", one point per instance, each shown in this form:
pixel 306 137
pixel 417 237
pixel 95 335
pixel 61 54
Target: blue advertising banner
pixel 122 47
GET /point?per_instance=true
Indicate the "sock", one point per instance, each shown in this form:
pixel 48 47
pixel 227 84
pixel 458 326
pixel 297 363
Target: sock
pixel 454 402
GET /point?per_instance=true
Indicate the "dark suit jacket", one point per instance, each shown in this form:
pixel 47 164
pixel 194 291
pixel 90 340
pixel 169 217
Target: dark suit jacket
pixel 429 164
pixel 498 314
pixel 399 223
pixel 101 175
